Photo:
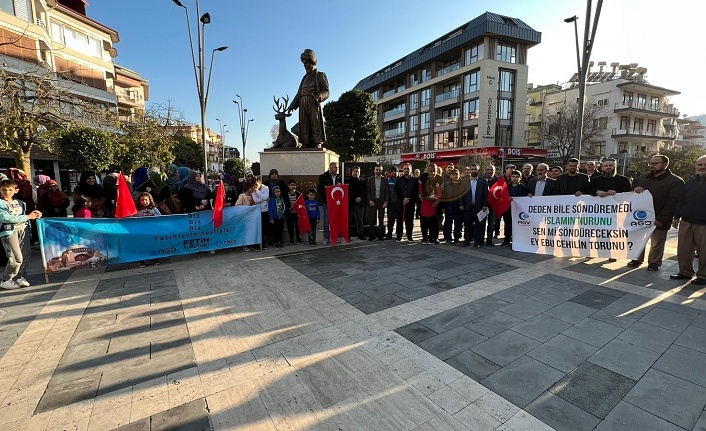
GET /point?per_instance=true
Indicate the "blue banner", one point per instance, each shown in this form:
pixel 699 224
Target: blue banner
pixel 71 243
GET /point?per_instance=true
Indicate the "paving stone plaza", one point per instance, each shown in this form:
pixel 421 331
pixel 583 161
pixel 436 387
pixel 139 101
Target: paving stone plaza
pixel 367 336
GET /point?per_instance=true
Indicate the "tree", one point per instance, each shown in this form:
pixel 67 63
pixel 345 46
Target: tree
pixel 682 161
pixel 187 152
pixel 235 168
pixel 87 149
pixel 274 132
pixel 144 141
pixel 352 129
pixel 483 160
pixel 36 105
pixel 420 164
pixel 559 129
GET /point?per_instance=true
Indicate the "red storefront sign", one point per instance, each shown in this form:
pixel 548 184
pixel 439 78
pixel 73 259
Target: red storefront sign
pixel 470 152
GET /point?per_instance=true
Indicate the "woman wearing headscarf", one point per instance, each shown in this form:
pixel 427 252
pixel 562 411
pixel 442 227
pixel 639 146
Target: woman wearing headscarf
pixel 40 183
pixel 54 202
pixel 173 178
pixel 25 192
pixel 89 189
pixel 110 190
pixel 142 183
pixel 195 195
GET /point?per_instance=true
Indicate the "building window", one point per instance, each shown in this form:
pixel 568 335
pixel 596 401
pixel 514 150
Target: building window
pixel 505 136
pixel 445 140
pixel 471 82
pixel 627 98
pixel 76 40
pixel 413 80
pixel 414 101
pixel 600 123
pixel 425 119
pixel 426 74
pixel 506 81
pixel 622 147
pixel 505 109
pixel 376 95
pixel 654 103
pixel 413 144
pixel 651 127
pixel 597 148
pixel 637 126
pixel 426 97
pixel 474 54
pixel 448 116
pixel 392 147
pixel 413 123
pixel 470 109
pixel 624 123
pixel 602 102
pixel 641 101
pixel 505 52
pixel 20 8
pixel 469 136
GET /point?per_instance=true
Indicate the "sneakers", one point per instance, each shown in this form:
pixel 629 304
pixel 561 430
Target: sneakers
pixel 22 282
pixel 325 241
pixel 9 285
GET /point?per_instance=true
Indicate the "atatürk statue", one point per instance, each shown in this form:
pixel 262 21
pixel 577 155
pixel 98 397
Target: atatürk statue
pixel 313 91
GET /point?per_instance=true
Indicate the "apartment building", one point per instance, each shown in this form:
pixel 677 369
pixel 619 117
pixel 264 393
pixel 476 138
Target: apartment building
pixel 690 133
pixel 459 95
pixel 217 152
pixel 632 114
pixel 56 36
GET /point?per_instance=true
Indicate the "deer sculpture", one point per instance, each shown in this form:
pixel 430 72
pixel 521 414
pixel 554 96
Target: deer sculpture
pixel 285 138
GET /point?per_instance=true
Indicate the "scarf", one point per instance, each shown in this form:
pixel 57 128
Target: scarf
pixel 139 177
pixel 56 197
pixel 199 189
pixel 92 191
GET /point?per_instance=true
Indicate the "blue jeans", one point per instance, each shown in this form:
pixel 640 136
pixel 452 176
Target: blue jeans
pixel 491 224
pixel 453 216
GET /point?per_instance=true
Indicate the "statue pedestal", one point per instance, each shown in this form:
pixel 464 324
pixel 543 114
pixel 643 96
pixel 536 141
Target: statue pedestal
pixel 302 165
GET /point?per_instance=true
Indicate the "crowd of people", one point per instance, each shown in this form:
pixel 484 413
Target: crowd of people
pixel 451 203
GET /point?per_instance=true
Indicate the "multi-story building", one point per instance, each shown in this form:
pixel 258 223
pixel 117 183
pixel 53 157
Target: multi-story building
pixel 56 37
pixel 691 133
pixel 461 94
pixel 630 114
pixel 213 140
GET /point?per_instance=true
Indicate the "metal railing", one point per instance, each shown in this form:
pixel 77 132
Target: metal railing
pixel 393 133
pixel 448 95
pixel 446 120
pixel 646 106
pixel 448 69
pixel 643 132
pixel 388 93
pixel 396 111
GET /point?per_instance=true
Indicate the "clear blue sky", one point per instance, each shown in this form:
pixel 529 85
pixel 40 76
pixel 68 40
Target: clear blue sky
pixel 353 39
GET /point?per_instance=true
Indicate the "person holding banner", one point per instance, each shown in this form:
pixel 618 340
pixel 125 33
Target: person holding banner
pixel 195 195
pixel 261 196
pixel 572 182
pixel 691 221
pixel 515 189
pixel 492 220
pixel 666 189
pixel 542 185
pixel 609 183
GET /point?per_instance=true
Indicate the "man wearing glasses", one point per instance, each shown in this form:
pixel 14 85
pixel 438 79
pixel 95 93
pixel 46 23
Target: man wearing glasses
pixel 666 189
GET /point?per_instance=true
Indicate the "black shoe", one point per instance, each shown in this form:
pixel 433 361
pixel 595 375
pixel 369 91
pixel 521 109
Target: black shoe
pixel 436 241
pixel 680 276
pixel 699 281
pixel 291 242
pixel 410 240
pixel 490 243
pixel 372 238
pixel 505 244
pixel 634 263
pixel 612 260
pixel 478 246
pixel 362 238
pixel 462 244
pixel 652 267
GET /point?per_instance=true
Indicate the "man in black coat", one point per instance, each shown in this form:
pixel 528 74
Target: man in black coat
pixel 475 201
pixel 691 221
pixel 542 185
pixel 572 182
pixel 609 183
pixel 356 199
pixel 328 178
pixel 407 190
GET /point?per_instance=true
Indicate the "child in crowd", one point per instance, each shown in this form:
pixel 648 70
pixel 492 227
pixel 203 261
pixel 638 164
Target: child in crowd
pixel 292 225
pixel 14 235
pixel 278 212
pixel 312 208
pixel 245 199
pixel 80 208
pixel 146 208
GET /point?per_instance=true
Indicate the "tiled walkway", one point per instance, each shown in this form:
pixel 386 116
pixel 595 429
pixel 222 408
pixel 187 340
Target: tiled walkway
pixel 372 335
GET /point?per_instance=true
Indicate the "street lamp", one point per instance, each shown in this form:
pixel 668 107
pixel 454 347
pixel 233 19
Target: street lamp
pixel 582 58
pixel 244 125
pixel 223 138
pixel 199 70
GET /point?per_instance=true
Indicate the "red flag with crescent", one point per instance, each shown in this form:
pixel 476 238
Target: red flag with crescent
pixel 499 197
pixel 337 199
pixel 302 216
pixel 124 204
pixel 218 204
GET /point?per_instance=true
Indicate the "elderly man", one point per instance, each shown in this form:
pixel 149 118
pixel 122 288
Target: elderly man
pixel 541 185
pixel 690 218
pixel 526 174
pixel 592 170
pixel 666 189
pixel 313 91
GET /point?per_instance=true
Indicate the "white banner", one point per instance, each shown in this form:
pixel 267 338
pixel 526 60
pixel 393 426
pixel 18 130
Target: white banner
pixel 613 226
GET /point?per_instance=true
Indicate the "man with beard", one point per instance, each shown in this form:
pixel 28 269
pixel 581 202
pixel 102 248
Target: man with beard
pixel 609 183
pixel 542 185
pixel 666 189
pixel 407 191
pixel 491 179
pixel 526 174
pixel 691 221
pixel 356 200
pixel 430 191
pixel 572 182
pixel 328 178
pixel 475 200
pixel 377 202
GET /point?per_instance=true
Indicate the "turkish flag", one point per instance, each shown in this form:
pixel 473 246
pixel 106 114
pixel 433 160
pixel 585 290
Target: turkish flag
pixel 124 204
pixel 302 216
pixel 218 203
pixel 337 199
pixel 499 197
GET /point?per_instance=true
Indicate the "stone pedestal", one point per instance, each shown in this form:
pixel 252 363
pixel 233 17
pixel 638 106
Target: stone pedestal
pixel 296 163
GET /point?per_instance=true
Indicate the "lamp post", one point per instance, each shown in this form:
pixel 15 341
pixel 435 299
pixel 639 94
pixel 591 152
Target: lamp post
pixel 244 125
pixel 202 86
pixel 583 56
pixel 222 127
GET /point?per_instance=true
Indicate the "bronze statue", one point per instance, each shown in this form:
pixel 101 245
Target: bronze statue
pixel 285 138
pixel 313 91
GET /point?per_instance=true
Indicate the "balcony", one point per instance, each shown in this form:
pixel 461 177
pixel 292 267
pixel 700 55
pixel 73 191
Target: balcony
pixel 448 69
pixel 394 133
pixel 644 107
pixel 641 133
pixel 396 111
pixel 534 120
pixel 446 121
pixel 388 93
pixel 447 96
